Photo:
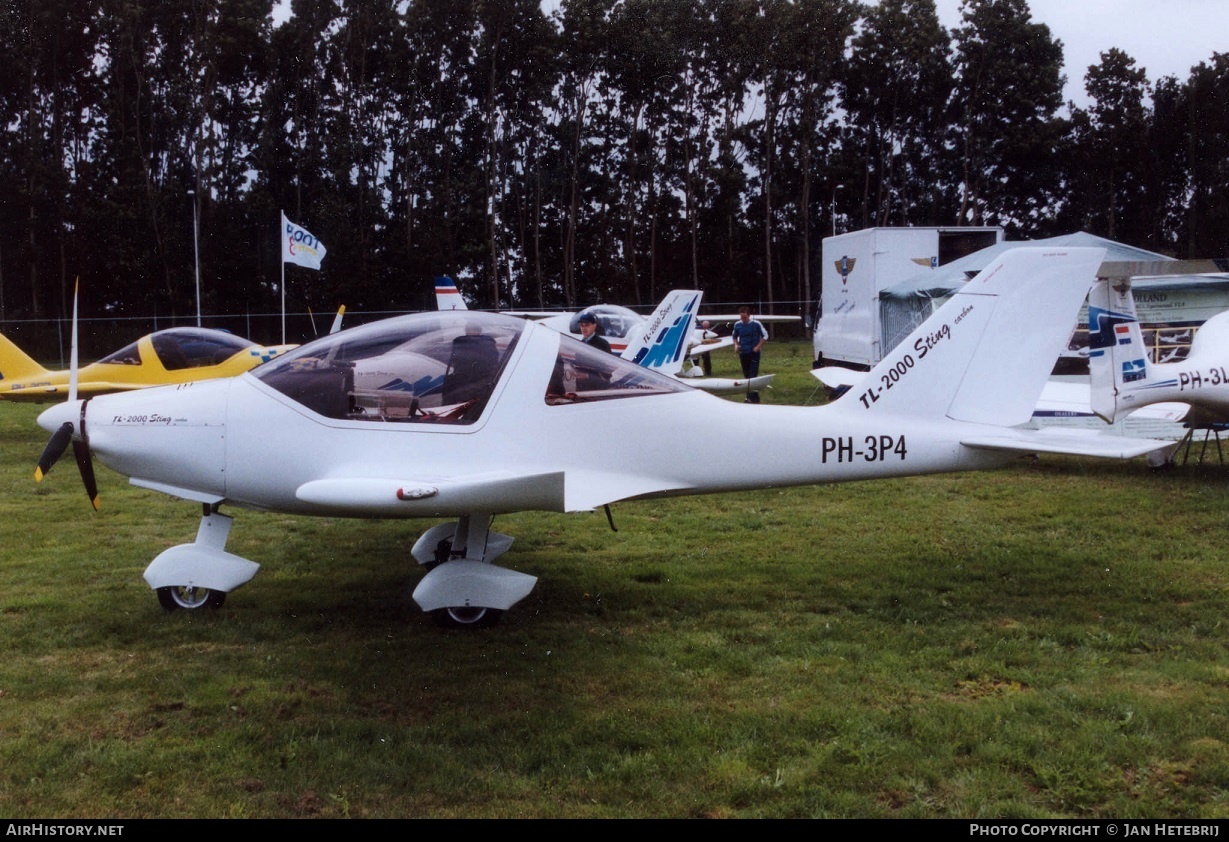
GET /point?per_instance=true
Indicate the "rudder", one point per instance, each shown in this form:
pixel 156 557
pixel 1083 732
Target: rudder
pixel 16 364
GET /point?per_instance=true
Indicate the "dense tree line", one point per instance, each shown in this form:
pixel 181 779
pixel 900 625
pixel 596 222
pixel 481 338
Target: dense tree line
pixel 598 150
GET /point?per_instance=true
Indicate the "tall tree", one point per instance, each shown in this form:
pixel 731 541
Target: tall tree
pixel 897 84
pixel 816 34
pixel 1207 107
pixel 1108 160
pixel 1008 91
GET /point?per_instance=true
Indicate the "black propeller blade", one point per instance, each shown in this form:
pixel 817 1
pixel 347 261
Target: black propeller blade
pixel 81 449
pixel 54 450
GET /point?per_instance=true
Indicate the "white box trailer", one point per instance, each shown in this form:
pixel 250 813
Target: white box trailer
pixel 857 265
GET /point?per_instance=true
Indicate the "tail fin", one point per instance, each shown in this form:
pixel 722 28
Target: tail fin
pixel 662 344
pixel 447 296
pixel 1117 357
pixel 986 354
pixel 16 364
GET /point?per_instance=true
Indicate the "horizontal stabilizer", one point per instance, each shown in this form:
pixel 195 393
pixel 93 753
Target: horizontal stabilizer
pixel 1127 269
pixel 708 345
pixel 837 377
pixel 1066 441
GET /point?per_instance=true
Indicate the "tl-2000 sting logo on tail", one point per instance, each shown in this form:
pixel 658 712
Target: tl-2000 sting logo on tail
pixel 905 364
pixel 922 346
pixel 840 449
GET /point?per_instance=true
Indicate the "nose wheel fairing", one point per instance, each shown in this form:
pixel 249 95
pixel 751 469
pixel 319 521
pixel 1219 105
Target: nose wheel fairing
pixel 201 565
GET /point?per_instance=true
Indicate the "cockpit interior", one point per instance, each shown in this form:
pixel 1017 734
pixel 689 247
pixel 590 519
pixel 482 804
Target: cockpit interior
pixel 441 368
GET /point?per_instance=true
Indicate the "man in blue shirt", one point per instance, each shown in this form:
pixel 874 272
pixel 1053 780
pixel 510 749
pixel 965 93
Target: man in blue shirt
pixel 749 338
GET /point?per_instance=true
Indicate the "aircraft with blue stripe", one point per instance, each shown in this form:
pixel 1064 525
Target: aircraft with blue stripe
pixel 1124 378
pixel 663 342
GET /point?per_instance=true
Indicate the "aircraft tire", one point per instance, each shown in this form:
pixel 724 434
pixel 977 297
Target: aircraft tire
pixel 189 599
pixel 466 617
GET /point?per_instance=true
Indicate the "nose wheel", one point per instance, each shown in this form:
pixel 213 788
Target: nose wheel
pixel 189 598
pixel 466 617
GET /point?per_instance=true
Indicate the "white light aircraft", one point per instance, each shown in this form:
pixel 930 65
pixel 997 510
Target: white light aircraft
pixel 660 342
pixel 615 323
pixel 467 415
pixel 1123 378
pixel 620 325
pixel 665 340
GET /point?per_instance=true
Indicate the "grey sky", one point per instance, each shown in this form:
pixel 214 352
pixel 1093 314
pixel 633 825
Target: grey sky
pixel 1165 37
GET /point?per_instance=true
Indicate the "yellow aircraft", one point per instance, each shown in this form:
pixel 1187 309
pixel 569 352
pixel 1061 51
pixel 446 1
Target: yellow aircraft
pixel 176 355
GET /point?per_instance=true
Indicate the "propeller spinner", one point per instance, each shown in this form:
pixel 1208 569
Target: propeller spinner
pixel 58 443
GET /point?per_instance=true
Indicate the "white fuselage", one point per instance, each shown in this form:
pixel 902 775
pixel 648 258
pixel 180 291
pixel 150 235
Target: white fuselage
pixel 1201 380
pixel 241 442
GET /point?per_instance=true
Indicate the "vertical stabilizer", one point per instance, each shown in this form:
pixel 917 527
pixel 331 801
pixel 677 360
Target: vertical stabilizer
pixel 1117 357
pixel 447 296
pixel 16 364
pixel 662 344
pixel 986 354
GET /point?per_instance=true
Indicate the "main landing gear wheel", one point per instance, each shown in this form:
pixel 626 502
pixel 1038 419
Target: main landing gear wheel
pixel 467 617
pixel 189 598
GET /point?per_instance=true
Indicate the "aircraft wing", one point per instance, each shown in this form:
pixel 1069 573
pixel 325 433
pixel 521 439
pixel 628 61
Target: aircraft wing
pixel 497 491
pixel 727 385
pixel 836 377
pixel 725 317
pixel 411 496
pixel 59 391
pixel 536 314
pixel 1071 442
pixel 710 345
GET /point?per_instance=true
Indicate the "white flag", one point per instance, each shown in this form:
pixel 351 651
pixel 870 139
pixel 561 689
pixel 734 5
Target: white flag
pixel 300 246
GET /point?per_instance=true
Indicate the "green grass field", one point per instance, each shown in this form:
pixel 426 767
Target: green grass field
pixel 1047 640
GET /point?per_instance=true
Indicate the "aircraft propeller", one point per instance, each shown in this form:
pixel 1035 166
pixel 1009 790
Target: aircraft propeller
pixel 60 439
pixel 54 450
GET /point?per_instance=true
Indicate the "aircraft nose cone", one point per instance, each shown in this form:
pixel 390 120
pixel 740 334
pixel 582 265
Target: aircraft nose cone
pixel 52 419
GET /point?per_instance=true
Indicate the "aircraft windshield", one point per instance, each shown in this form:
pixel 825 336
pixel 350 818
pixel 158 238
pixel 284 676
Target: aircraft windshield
pixel 583 374
pixel 427 367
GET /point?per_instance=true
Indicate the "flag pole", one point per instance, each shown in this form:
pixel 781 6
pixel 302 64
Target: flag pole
pixel 196 253
pixel 282 257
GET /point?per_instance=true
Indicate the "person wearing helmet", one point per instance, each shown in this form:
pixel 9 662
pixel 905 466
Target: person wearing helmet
pixel 589 334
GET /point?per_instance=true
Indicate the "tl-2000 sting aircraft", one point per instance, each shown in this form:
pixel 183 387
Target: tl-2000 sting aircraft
pixel 467 415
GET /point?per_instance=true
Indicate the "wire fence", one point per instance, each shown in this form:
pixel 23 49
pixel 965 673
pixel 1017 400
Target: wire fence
pixel 49 339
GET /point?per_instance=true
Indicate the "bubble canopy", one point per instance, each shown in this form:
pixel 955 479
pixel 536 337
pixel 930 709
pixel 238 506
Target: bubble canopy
pixel 184 347
pixel 441 368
